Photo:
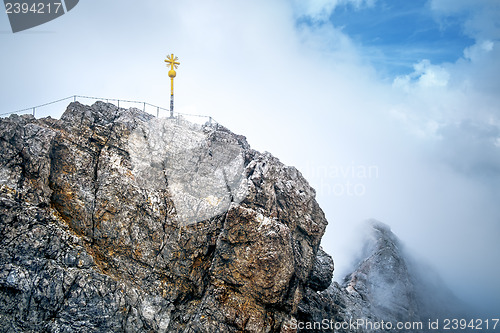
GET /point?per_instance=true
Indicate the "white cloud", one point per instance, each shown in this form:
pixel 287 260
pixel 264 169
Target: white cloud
pixel 480 16
pixel 478 50
pixel 321 10
pixel 425 75
pixel 430 76
pixel 317 10
pixel 497 142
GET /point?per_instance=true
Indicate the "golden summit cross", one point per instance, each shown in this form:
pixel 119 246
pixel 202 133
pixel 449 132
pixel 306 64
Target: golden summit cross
pixel 173 63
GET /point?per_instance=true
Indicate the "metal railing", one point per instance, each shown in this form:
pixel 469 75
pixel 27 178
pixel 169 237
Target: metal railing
pixel 146 107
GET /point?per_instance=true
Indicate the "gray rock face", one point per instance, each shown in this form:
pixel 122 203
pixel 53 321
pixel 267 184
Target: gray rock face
pixel 96 234
pixel 321 275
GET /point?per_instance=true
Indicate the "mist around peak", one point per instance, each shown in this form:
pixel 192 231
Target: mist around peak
pixel 397 284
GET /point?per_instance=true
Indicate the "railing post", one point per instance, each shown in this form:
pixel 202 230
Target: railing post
pixel 157 112
pixel 118 104
pixel 144 107
pixel 33 111
pixel 74 98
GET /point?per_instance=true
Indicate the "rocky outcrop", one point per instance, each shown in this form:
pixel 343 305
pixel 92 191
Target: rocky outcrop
pixel 106 226
pixel 387 290
pixel 383 278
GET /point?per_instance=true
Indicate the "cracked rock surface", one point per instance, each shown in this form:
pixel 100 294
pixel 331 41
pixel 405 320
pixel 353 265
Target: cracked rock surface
pixel 88 243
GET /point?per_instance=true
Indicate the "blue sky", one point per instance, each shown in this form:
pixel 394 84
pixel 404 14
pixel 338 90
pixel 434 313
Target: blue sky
pixel 400 33
pixel 408 87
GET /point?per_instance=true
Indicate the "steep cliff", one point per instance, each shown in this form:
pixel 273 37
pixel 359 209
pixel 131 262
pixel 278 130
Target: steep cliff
pixel 112 220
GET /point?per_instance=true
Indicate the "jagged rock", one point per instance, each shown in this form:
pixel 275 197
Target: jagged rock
pixel 383 278
pixel 92 239
pixel 321 275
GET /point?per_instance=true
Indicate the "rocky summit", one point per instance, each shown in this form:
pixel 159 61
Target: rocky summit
pixel 115 221
pixel 112 220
